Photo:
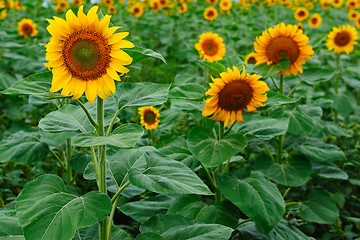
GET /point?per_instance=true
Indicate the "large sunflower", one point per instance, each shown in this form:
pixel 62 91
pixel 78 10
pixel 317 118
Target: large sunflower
pixel 211 47
pixel 342 39
pixel 210 13
pixel 27 28
pixel 84 55
pixel 149 117
pixel 283 42
pixel 232 93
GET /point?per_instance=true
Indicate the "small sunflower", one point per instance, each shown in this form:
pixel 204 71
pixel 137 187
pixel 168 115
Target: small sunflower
pixel 212 2
pixel 149 117
pixel 3 14
pixel 27 28
pixel 353 14
pixel 337 3
pixel 342 39
pixel 108 3
pixel 210 13
pixel 300 26
pixel 352 4
pixel 182 8
pixel 112 10
pixel 315 20
pixel 232 93
pixel 357 22
pixel 211 47
pixel 283 41
pixel 155 5
pixel 251 59
pixel 163 3
pixel 137 9
pixel 225 5
pixel 325 4
pixel 62 6
pixel 78 2
pixel 84 55
pixel 301 14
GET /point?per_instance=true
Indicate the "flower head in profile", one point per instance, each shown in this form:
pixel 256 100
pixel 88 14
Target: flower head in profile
pixel 210 13
pixel 26 28
pixel 149 117
pixel 85 55
pixel 315 20
pixel 211 47
pixel 283 41
pixel 342 39
pixel 232 93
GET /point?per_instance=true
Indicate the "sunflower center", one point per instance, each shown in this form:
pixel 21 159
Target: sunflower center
pixel 252 60
pixel 210 13
pixel 27 29
pixel 342 38
pixel 210 47
pixel 136 10
pixel 235 96
pixel 301 13
pixel 282 47
pixel 86 54
pixel 149 117
pixel 314 20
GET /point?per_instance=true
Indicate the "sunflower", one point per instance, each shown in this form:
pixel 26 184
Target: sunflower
pixel 352 4
pixel 211 47
pixel 3 14
pixel 155 5
pixel 163 3
pixel 250 58
pixel 210 13
pixel 212 2
pixel 137 9
pixel 27 28
pixel 108 3
pixel 357 21
pixel 232 93
pixel 315 20
pixel 182 8
pixel 84 55
pixel 283 42
pixel 149 117
pixel 78 2
pixel 300 26
pixel 325 4
pixel 342 39
pixel 225 5
pixel 112 10
pixel 353 14
pixel 337 3
pixel 301 14
pixel 62 6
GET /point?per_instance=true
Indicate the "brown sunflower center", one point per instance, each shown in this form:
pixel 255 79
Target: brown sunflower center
pixel 235 96
pixel 149 117
pixel 210 47
pixel 314 20
pixel 225 4
pixel 86 54
pixel 282 47
pixel 210 13
pixel 27 28
pixel 301 13
pixel 353 15
pixel 136 10
pixel 342 38
pixel 252 60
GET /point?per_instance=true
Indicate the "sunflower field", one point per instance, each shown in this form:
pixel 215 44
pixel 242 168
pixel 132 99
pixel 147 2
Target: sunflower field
pixel 179 120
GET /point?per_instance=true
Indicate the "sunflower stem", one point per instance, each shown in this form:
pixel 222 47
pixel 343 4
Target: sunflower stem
pixel 206 76
pixel 337 73
pixel 213 184
pixel 294 88
pixel 112 122
pixel 268 151
pixel 276 86
pixel 92 121
pixel 102 156
pixel 96 166
pixel 229 129
pixel 281 84
pixel 67 162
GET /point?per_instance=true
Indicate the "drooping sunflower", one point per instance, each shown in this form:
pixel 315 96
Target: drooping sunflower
pixel 84 55
pixel 225 5
pixel 353 14
pixel 26 28
pixel 301 14
pixel 283 41
pixel 210 13
pixel 137 9
pixel 112 10
pixel 342 39
pixel 251 59
pixel 232 93
pixel 315 20
pixel 211 47
pixel 149 117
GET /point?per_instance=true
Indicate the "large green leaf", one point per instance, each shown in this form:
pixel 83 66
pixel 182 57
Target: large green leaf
pixel 318 150
pixel 187 206
pixel 36 84
pixel 264 128
pixel 188 91
pixel 345 103
pixel 161 223
pixel 92 233
pixel 68 118
pixel 276 99
pixel 45 208
pixel 266 70
pixel 138 54
pixel 329 170
pixel 210 151
pixel 267 205
pixel 10 228
pixel 124 136
pixel 186 104
pixel 214 67
pixel 167 176
pixel 140 94
pixel 319 208
pixel 282 231
pixel 313 76
pixel 24 147
pixel 334 129
pixel 142 210
pixel 294 173
pixel 198 232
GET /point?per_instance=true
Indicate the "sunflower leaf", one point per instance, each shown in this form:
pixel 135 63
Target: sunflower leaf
pixel 138 54
pixel 266 70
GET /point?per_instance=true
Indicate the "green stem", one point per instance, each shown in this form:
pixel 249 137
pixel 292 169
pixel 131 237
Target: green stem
pixel 291 204
pixel 96 166
pixel 215 135
pixel 206 76
pixel 337 73
pixel 268 151
pixel 229 129
pixel 92 121
pixel 227 166
pixel 58 159
pixel 112 122
pixel 276 86
pixel 221 130
pixel 213 184
pixel 244 221
pixel 102 156
pixel 280 142
pixel 294 88
pixel 67 162
pixel 286 192
pixel 281 84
